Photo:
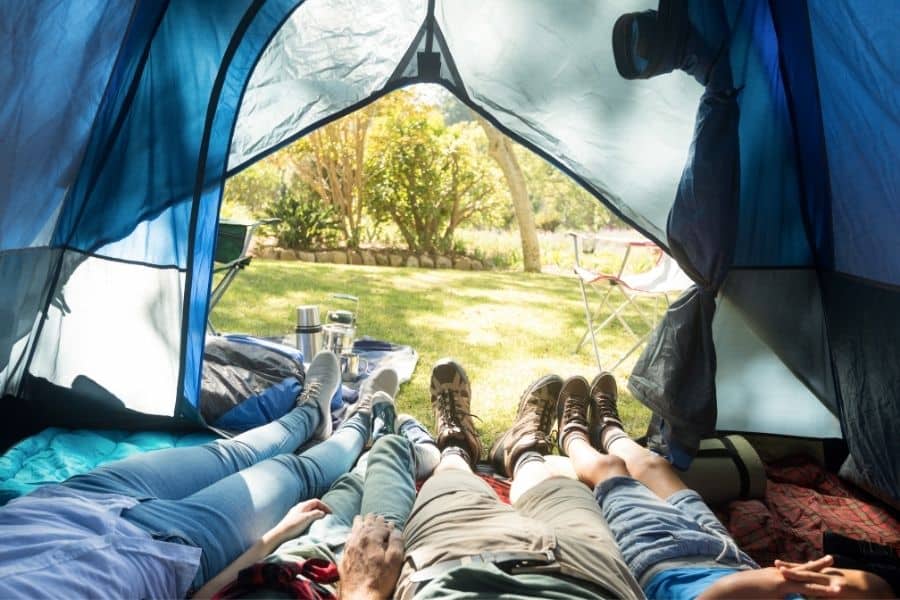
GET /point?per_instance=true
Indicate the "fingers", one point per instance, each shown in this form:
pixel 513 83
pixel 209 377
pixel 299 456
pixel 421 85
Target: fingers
pixel 313 504
pixel 812 565
pixel 805 576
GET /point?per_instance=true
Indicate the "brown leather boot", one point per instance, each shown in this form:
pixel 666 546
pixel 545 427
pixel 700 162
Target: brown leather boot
pixel 574 410
pixel 451 394
pixel 604 394
pixel 532 427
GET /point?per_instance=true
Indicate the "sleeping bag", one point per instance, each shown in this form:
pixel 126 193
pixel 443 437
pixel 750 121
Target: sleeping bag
pixel 248 381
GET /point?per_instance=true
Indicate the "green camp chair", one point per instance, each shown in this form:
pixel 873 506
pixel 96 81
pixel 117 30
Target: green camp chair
pixel 232 243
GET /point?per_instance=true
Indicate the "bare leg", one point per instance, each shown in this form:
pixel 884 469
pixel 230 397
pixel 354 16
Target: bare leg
pixel 528 475
pixel 591 466
pixel 652 470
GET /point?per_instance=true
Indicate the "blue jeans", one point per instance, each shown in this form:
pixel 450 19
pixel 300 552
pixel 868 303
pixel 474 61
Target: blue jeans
pixel 650 531
pixel 224 495
pixel 388 488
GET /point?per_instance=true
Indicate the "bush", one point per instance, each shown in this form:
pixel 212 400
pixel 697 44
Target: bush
pixel 306 221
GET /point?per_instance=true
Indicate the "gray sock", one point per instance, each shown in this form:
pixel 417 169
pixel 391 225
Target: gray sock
pixel 426 457
pixel 456 451
pixel 527 457
pixel 610 434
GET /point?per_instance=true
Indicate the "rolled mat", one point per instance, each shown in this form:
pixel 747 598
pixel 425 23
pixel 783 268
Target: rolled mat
pixel 726 468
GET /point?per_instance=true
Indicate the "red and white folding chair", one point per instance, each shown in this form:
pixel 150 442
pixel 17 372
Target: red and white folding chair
pixel 663 280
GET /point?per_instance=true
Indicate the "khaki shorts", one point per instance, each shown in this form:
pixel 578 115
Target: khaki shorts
pixel 457 514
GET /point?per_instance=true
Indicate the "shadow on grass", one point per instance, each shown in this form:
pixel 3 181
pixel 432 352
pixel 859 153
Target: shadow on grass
pixel 506 328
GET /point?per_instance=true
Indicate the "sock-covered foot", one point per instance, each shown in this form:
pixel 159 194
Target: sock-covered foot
pixel 532 428
pixel 573 411
pixel 382 380
pixel 322 380
pixel 425 451
pixel 384 416
pixel 451 395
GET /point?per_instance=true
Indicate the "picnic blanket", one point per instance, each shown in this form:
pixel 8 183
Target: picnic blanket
pixel 802 502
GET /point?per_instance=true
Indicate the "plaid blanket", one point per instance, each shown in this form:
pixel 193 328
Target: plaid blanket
pixel 802 502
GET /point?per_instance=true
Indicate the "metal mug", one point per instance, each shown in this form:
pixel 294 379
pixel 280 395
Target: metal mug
pixel 338 338
pixel 352 366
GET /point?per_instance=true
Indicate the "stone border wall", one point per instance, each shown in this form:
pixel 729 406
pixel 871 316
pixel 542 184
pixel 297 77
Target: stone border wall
pixel 375 257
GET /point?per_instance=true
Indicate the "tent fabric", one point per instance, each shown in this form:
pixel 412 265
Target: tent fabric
pixel 124 118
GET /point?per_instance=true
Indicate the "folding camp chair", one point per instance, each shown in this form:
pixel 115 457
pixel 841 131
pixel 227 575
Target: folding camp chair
pixel 664 279
pixel 233 240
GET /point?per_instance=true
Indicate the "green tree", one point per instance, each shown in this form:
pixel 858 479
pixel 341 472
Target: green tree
pixel 331 161
pixel 426 177
pixel 558 200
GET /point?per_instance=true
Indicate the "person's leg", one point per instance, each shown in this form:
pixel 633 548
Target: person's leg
pixel 390 488
pixel 648 529
pixel 227 517
pixel 176 473
pixel 457 514
pixel 652 470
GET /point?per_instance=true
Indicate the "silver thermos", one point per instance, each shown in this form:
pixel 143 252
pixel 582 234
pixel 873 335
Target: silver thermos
pixel 309 331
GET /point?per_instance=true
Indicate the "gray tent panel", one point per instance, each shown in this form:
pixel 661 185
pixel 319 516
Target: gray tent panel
pixel 327 57
pixel 755 391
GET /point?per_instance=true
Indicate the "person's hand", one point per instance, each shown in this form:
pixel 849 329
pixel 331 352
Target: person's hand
pixel 845 583
pixel 373 556
pixel 772 583
pixel 813 576
pixel 298 519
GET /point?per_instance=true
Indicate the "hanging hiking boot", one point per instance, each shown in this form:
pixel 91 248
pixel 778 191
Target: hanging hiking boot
pixel 573 410
pixel 532 427
pixel 654 42
pixel 322 380
pixel 451 395
pixel 604 395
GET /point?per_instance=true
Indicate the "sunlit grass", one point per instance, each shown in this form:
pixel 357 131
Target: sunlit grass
pixel 507 329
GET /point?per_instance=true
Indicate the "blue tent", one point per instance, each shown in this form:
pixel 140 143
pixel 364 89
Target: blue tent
pixel 122 119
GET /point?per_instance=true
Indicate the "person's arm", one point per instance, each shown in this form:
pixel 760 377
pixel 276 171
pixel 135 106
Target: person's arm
pixel 768 583
pixel 854 583
pixel 293 524
pixel 373 556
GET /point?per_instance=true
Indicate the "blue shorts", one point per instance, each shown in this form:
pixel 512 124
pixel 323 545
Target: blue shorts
pixel 650 531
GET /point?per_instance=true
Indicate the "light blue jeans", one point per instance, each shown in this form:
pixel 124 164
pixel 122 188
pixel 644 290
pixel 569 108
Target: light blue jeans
pixel 224 495
pixel 387 488
pixel 650 531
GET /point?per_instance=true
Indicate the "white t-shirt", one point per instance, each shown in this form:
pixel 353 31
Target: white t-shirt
pixel 63 543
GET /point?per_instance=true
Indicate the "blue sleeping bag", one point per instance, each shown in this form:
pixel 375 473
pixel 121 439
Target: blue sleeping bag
pixel 248 381
pixel 54 454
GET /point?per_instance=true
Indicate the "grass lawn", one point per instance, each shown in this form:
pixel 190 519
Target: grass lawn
pixel 507 329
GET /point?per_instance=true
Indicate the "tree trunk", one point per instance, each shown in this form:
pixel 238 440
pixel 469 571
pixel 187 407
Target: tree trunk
pixel 501 150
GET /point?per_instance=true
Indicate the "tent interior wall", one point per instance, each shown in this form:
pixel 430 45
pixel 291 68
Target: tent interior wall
pixel 771 183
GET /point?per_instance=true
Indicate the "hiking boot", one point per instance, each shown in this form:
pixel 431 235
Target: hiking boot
pixel 384 416
pixel 382 380
pixel 322 380
pixel 532 427
pixel 451 395
pixel 604 394
pixel 573 410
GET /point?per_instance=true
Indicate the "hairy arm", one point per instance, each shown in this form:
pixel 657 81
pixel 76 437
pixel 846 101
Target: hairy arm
pixel 293 524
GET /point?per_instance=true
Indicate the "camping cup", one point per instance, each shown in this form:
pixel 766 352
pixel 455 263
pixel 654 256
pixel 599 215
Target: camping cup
pixel 352 366
pixel 338 338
